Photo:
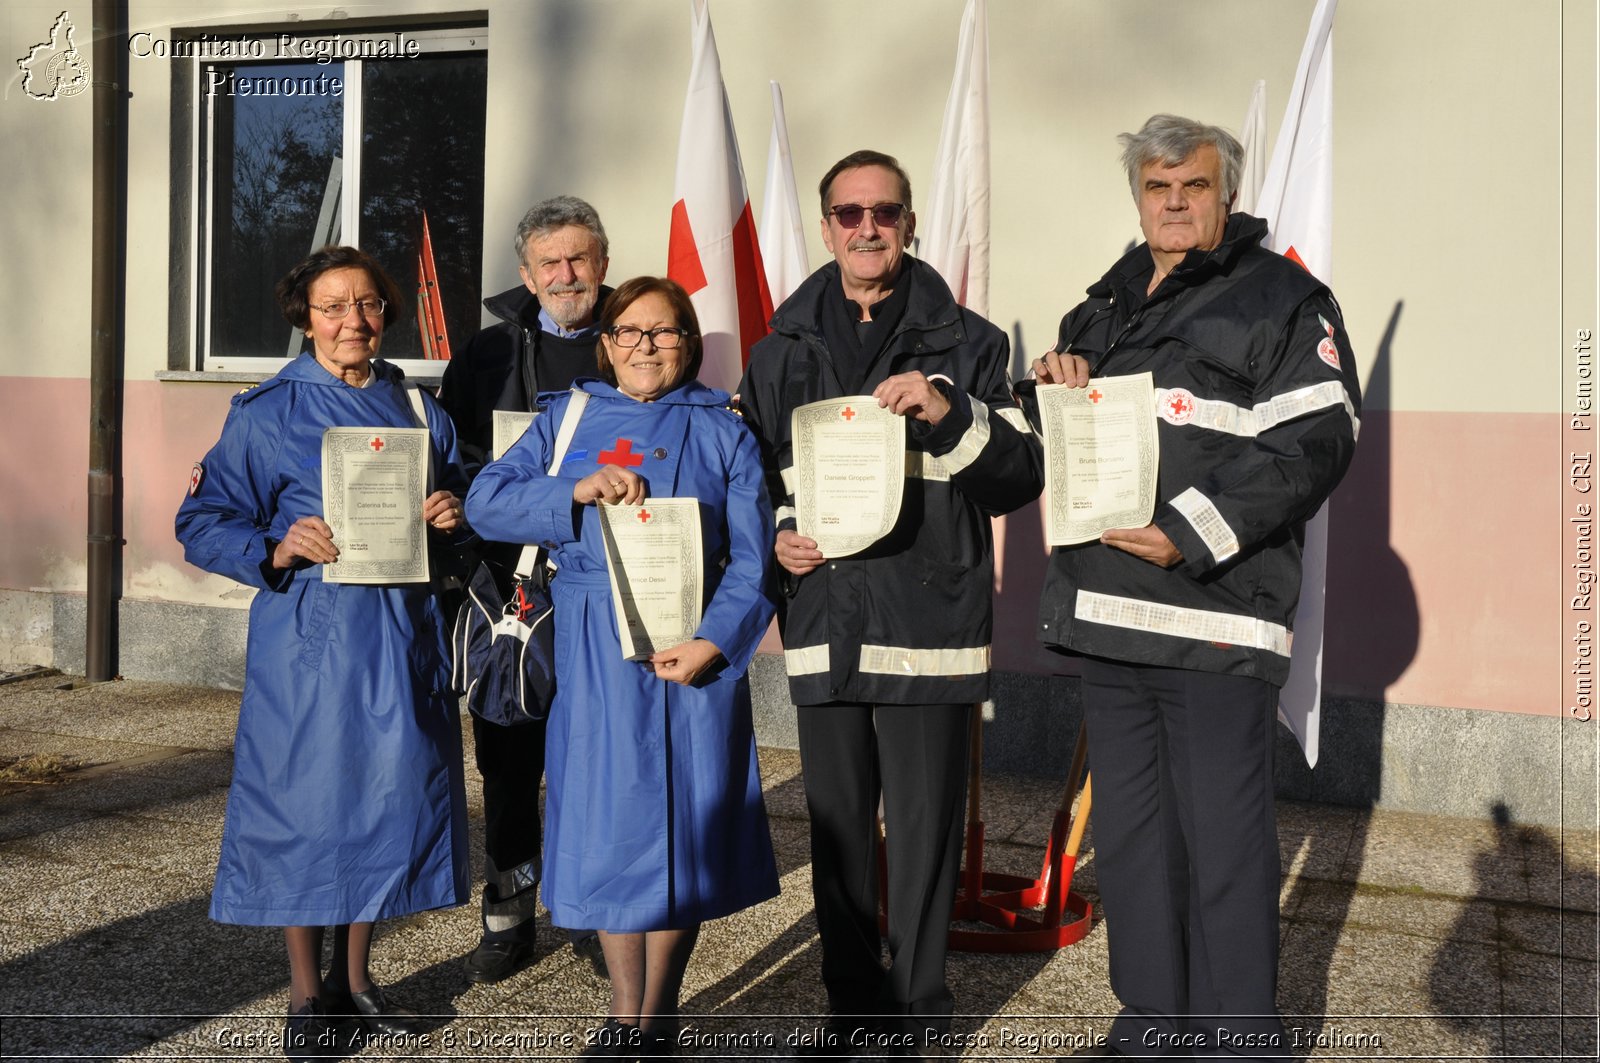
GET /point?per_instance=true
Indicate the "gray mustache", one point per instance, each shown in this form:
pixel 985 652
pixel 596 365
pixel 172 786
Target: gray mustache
pixel 575 288
pixel 870 245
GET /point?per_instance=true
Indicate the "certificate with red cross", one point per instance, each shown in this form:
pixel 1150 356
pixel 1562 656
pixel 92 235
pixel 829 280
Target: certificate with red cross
pixel 849 472
pixel 1100 457
pixel 657 570
pixel 374 481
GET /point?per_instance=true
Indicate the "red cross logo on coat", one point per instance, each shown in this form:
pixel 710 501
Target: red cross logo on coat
pixel 377 443
pixel 621 454
pixel 1177 407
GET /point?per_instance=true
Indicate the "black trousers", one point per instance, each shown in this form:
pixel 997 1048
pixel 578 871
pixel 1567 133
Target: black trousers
pixel 511 762
pixel 1186 855
pixel 915 757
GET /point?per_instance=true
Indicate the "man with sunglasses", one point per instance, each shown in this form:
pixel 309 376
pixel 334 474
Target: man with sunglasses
pixel 887 650
pixel 1183 625
pixel 545 338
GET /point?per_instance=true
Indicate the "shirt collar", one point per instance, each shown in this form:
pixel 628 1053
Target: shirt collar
pixel 550 325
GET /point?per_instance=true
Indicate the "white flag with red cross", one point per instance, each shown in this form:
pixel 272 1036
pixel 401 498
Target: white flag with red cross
pixel 713 250
pixel 1297 204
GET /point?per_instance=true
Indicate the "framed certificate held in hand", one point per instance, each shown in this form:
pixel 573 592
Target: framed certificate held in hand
pixel 849 472
pixel 654 559
pixel 1101 455
pixel 374 481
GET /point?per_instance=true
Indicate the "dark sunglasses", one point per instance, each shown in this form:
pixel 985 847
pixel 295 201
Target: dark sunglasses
pixel 884 215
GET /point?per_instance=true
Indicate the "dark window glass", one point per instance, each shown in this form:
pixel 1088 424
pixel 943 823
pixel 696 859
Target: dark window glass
pixel 275 194
pixel 273 158
pixel 422 151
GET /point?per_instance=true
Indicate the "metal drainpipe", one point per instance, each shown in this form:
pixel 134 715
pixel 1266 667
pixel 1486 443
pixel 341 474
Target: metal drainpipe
pixel 108 63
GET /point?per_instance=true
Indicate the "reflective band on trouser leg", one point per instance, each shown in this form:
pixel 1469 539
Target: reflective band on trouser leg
pixel 906 660
pixel 806 660
pixel 1202 624
pixel 511 898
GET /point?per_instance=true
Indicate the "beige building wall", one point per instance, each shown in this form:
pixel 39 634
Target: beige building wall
pixel 1461 259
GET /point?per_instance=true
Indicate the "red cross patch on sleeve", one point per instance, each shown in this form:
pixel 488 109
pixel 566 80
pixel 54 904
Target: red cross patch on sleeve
pixel 197 476
pixel 1328 351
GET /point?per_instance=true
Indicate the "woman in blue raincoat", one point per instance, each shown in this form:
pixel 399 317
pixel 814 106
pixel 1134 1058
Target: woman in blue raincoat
pixel 654 820
pixel 347 803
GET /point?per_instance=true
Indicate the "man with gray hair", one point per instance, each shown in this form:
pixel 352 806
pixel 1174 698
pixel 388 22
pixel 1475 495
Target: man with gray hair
pixel 545 338
pixel 1183 625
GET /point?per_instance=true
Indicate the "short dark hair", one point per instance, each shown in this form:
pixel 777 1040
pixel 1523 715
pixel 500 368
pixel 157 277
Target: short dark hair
pixel 854 161
pixel 294 290
pixel 630 292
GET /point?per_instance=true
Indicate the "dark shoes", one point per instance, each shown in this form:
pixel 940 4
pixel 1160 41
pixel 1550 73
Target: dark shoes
pixel 495 960
pixel 310 1034
pixel 376 1012
pixel 588 948
pixel 660 1043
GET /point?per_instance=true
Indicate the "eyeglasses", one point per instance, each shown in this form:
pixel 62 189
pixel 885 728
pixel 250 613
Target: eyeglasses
pixel 364 307
pixel 884 215
pixel 664 338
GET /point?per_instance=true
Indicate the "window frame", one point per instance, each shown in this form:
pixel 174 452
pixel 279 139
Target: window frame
pixel 194 286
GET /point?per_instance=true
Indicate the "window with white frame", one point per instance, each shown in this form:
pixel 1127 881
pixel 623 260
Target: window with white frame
pixel 348 138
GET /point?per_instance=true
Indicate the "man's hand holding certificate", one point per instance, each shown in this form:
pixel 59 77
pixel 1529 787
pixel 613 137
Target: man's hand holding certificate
pixel 850 470
pixel 1101 456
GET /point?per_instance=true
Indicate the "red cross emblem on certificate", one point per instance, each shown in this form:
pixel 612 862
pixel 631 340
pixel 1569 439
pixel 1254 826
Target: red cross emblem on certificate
pixel 848 414
pixel 377 443
pixel 1096 395
pixel 622 454
pixel 644 516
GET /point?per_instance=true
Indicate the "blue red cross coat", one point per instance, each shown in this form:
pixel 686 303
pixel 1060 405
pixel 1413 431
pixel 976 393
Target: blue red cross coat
pixel 347 803
pixel 653 809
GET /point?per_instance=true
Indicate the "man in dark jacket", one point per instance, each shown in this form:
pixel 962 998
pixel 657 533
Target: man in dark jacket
pixel 887 649
pixel 546 337
pixel 1184 624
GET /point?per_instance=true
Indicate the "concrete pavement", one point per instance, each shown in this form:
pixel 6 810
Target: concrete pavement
pixel 1405 936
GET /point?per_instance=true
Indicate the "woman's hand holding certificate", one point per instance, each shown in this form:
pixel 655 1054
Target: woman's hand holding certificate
pixel 654 559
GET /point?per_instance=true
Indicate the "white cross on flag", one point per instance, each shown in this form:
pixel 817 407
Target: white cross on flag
pixel 1297 204
pixel 712 250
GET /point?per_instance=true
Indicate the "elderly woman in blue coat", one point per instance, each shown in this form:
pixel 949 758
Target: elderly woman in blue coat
pixel 654 820
pixel 347 803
